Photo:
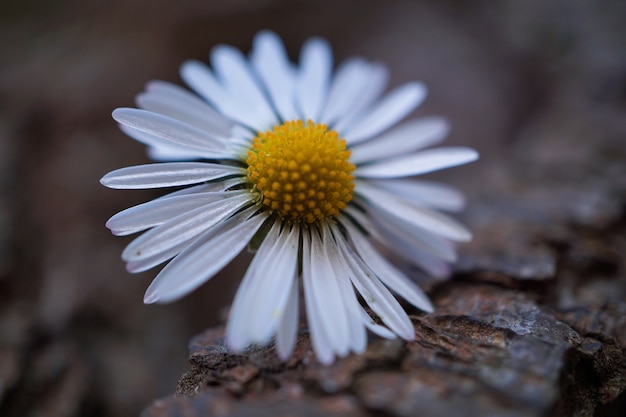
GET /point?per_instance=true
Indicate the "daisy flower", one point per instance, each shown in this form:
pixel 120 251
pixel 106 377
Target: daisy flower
pixel 310 169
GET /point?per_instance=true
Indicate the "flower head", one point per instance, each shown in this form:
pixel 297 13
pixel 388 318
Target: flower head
pixel 309 169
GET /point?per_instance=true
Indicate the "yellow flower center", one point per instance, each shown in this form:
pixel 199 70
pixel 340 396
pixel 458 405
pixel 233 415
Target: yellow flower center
pixel 302 171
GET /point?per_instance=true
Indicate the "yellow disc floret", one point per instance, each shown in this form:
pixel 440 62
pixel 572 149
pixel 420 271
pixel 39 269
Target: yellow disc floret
pixel 302 171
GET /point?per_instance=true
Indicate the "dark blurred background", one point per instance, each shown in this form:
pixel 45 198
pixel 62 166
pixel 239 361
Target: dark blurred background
pixel 524 82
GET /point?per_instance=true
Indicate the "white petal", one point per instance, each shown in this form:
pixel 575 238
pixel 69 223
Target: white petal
pixel 183 99
pixel 168 154
pixel 402 139
pixel 194 116
pixel 215 186
pixel 156 212
pixel 204 258
pixel 165 151
pixel 380 300
pixel 389 206
pixel 387 273
pixel 288 328
pixel 427 193
pixel 327 297
pixel 357 335
pixel 183 228
pixel 144 264
pixel 408 243
pixel 270 61
pixel 263 294
pixel 169 129
pixel 413 239
pixel 391 109
pixel 233 70
pixel 316 63
pixel 167 174
pixel 200 78
pixel 319 339
pixel 377 329
pixel 418 163
pixel 356 86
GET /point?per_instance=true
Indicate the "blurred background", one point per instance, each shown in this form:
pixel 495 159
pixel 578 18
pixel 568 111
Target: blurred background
pixel 529 84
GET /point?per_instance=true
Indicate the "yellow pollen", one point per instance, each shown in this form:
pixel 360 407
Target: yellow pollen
pixel 302 171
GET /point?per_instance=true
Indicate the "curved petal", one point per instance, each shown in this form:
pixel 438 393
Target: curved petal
pixel 167 174
pixel 391 109
pixel 402 139
pixel 204 258
pixel 418 163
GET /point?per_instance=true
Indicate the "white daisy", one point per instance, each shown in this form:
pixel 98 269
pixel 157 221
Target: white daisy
pixel 309 169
